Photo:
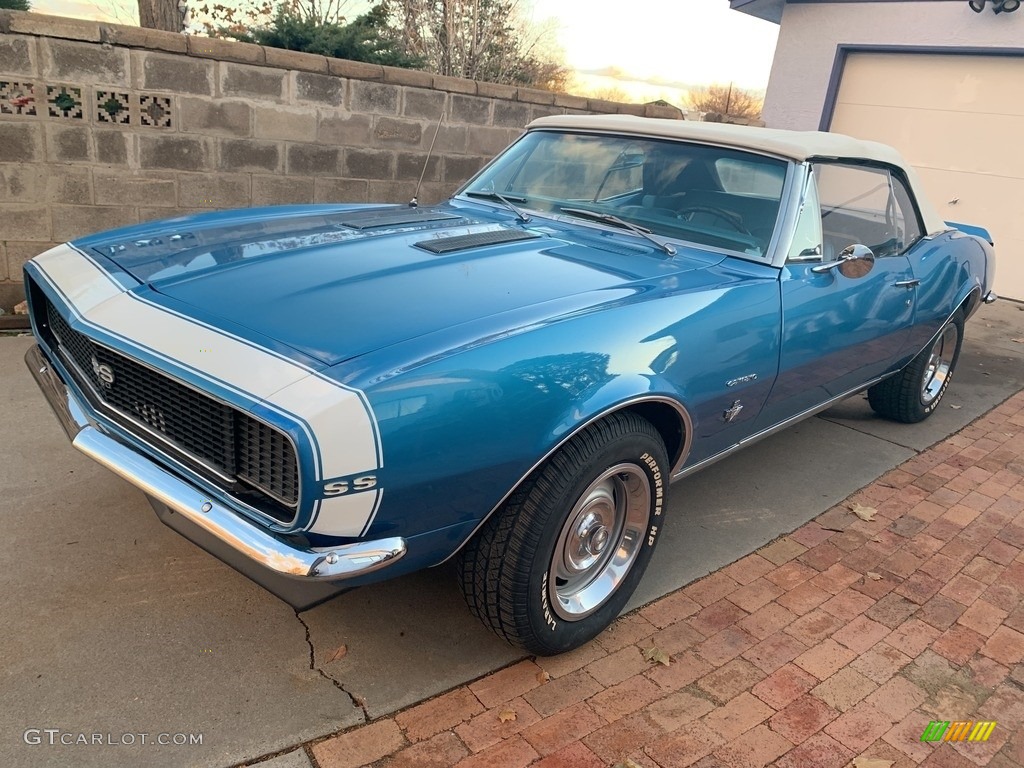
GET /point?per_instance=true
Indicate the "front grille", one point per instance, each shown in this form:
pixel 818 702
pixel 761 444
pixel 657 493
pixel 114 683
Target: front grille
pixel 256 461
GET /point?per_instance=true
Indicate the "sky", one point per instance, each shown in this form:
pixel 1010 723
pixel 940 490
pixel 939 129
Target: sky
pixel 691 41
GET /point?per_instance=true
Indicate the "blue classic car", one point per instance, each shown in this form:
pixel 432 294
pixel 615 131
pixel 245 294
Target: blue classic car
pixel 323 396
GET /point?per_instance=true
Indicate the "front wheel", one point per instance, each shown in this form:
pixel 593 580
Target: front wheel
pixel 914 393
pixel 557 562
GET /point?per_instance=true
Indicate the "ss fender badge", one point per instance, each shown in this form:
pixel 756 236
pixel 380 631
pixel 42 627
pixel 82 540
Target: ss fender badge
pixel 741 380
pixel 357 484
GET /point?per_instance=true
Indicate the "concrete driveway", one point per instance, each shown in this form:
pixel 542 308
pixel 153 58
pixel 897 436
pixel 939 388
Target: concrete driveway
pixel 111 624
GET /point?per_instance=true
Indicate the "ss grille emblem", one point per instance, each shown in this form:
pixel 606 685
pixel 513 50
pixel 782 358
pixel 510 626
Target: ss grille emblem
pixel 103 372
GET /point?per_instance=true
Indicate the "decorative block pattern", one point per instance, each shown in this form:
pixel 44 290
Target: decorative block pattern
pixel 113 107
pixel 64 101
pixel 17 98
pixel 155 111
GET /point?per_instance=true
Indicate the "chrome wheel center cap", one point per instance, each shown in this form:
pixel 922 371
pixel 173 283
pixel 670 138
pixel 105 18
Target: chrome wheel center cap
pixel 597 540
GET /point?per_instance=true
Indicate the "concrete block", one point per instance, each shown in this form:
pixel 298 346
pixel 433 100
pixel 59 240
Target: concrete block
pixel 20 252
pixel 602 106
pixel 434 192
pixel 68 143
pixel 322 89
pixel 18 55
pixel 460 169
pixel 11 294
pixel 511 114
pixel 224 118
pixel 225 50
pixel 369 164
pixel 70 184
pixel 162 72
pixel 54 26
pixel 535 96
pixel 249 155
pixel 20 142
pixel 355 70
pixel 74 62
pixel 397 130
pixel 411 165
pixel 174 152
pixel 140 37
pixel 155 214
pixel 330 190
pixel 135 189
pixel 254 82
pixel 303 62
pixel 455 84
pixel 374 97
pixel 344 129
pixel 71 221
pixel 4 273
pixel 313 160
pixel 281 190
pixel 487 141
pixel 497 91
pixel 288 123
pixel 540 110
pixel 222 190
pixel 391 191
pixel 632 109
pixel 569 101
pixel 419 102
pixel 23 182
pixel 450 139
pixel 24 222
pixel 114 147
pixel 415 77
pixel 470 109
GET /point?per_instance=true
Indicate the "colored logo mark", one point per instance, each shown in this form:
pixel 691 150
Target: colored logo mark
pixel 958 731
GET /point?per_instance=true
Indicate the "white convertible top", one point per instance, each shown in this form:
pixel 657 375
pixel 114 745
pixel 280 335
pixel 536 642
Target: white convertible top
pixel 795 145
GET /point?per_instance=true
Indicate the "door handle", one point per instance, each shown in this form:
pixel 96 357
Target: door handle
pixel 908 284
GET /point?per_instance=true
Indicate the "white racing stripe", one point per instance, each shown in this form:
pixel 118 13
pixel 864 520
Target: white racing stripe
pixel 345 430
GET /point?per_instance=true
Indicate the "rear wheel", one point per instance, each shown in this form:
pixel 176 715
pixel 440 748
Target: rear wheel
pixel 914 393
pixel 557 562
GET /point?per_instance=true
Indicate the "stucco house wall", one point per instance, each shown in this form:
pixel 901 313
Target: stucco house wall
pixel 811 31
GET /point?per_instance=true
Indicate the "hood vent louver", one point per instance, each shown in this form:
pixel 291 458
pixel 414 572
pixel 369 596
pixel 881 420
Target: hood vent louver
pixel 391 218
pixel 475 240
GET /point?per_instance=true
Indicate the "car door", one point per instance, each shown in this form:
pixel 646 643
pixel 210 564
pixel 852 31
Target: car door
pixel 841 331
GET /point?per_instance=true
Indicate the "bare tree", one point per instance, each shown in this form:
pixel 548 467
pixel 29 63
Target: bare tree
pixel 160 14
pixel 726 100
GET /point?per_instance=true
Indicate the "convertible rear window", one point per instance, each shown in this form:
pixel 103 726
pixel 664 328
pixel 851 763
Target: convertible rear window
pixel 708 195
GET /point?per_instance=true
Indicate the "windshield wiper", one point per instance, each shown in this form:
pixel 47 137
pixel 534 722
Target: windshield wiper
pixel 507 200
pixel 636 229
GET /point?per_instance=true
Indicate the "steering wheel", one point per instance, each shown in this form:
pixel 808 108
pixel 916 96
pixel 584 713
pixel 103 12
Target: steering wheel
pixel 734 220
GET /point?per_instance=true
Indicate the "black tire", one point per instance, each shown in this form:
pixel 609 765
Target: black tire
pixel 914 393
pixel 505 568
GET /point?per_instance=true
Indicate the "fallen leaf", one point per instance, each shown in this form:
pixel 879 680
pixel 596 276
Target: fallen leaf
pixel 656 655
pixel 1017 341
pixel 867 514
pixel 359 700
pixel 874 576
pixel 871 762
pixel 506 716
pixel 543 677
pixel 955 407
pixel 338 654
pixel 627 763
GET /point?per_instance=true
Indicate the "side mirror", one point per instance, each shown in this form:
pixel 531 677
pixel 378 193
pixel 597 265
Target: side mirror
pixel 854 261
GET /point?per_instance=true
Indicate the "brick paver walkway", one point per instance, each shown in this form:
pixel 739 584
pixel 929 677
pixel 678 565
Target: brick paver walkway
pixel 841 640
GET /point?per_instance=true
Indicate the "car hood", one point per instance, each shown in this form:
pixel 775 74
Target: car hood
pixel 335 282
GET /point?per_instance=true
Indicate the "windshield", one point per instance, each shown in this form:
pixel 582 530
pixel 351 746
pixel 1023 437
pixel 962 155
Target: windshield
pixel 713 196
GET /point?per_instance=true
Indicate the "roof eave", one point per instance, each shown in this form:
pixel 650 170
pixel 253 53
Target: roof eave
pixel 769 10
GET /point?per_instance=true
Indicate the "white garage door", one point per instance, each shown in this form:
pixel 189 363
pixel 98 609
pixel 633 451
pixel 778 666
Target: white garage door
pixel 960 121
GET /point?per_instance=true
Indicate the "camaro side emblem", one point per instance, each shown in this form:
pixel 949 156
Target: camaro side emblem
pixel 103 372
pixel 741 380
pixel 732 412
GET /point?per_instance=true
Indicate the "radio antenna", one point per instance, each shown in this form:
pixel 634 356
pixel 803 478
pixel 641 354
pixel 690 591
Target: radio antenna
pixel 415 195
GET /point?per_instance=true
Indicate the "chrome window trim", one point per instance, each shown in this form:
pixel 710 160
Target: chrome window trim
pixel 684 451
pixel 115 413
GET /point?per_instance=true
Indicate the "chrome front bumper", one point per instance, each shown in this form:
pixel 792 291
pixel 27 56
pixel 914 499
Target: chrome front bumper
pixel 259 545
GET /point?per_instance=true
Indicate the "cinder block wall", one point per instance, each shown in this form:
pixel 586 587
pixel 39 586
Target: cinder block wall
pixel 103 125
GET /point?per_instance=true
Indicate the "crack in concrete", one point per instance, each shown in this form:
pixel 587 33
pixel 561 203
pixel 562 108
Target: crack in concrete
pixel 847 425
pixel 357 701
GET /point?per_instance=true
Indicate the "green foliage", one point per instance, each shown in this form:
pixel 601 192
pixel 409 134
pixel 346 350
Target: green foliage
pixel 14 5
pixel 298 26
